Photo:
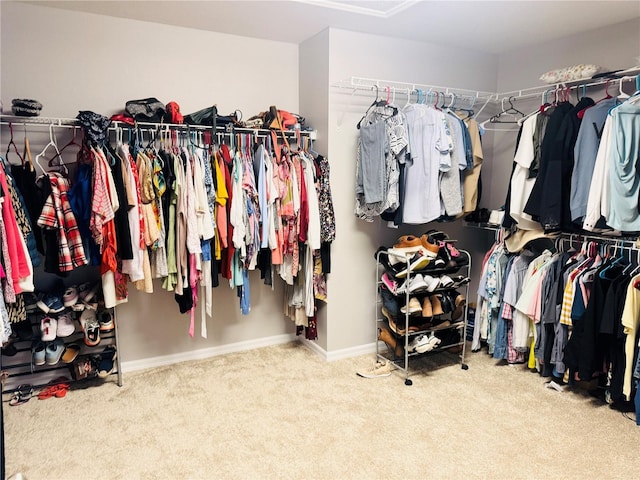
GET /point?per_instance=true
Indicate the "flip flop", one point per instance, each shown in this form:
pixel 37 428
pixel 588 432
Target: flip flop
pixel 22 395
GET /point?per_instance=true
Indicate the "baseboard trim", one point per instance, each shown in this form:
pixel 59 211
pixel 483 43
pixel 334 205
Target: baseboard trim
pixel 339 354
pixel 163 360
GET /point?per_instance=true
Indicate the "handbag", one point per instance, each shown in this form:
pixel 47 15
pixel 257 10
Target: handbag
pixel 146 110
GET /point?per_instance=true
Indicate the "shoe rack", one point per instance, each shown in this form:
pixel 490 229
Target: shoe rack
pixel 23 368
pixel 426 322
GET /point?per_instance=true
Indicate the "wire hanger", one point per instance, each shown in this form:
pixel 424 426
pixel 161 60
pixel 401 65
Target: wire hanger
pixel 52 143
pixel 15 147
pixel 58 155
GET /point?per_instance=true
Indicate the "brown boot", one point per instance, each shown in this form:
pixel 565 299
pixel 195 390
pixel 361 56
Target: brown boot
pixel 460 302
pixel 427 310
pixel 436 305
pixel 393 345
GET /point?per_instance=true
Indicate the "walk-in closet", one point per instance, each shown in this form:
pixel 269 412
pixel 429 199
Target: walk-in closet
pixel 319 239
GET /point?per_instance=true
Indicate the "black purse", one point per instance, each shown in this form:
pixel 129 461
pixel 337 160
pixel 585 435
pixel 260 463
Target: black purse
pixel 146 110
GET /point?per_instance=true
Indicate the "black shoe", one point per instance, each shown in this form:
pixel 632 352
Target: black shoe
pixel 383 257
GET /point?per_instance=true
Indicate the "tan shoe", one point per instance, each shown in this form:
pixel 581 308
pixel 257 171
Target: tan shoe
pixel 393 345
pixel 436 305
pixel 427 309
pixel 432 249
pixel 460 302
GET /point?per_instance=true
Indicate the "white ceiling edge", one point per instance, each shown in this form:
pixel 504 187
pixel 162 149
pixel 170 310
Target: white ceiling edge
pixel 397 7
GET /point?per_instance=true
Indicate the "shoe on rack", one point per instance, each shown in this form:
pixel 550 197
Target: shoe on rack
pixel 418 284
pixel 380 369
pixel 392 322
pixel 418 261
pixel 389 300
pixel 436 305
pixel 394 347
pixel 459 303
pixel 54 351
pixel 48 329
pixel 413 307
pixel 446 281
pixel 70 297
pixel 107 362
pixel 50 304
pixel 446 302
pixel 39 353
pixel 391 263
pixel 70 353
pixel 426 346
pixel 65 325
pixel 432 282
pixel 430 248
pixel 437 236
pixel 105 319
pixel 90 327
pixel 441 325
pixel 87 291
pixel 459 281
pixel 445 254
pixel 427 309
pixel 390 283
pixel 408 244
pixel 419 341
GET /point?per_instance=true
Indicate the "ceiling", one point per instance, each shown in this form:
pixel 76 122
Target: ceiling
pixel 489 26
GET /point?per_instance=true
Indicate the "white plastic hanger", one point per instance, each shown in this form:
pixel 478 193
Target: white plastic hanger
pixel 52 143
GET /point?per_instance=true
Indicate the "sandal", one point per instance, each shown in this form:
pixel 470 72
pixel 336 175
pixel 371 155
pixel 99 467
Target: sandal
pixel 22 395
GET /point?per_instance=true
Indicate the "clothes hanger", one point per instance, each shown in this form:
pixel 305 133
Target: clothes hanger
pixel 376 103
pixel 58 156
pixel 52 144
pixel 15 147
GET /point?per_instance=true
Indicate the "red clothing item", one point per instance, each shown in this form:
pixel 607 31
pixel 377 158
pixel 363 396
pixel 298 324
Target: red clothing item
pixel 17 254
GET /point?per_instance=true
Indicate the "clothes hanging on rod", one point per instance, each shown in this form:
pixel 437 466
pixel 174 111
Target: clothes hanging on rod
pixel 571 313
pixel 188 208
pixel 417 164
pixel 571 163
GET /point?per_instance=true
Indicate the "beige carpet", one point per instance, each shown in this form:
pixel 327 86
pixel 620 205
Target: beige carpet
pixel 283 413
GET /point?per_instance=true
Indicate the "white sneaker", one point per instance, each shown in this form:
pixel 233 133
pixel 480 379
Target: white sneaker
pixel 417 284
pixel 48 328
pixel 65 325
pixel 380 369
pixel 419 340
pixel 428 345
pixel 432 282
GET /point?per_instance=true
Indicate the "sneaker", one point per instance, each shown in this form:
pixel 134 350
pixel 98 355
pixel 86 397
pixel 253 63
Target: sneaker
pixel 389 300
pixel 380 369
pixel 417 284
pixel 39 354
pixel 54 351
pixel 418 261
pixel 50 304
pixel 446 281
pixel 105 319
pixel 432 282
pixel 426 346
pixel 48 329
pixel 419 341
pixel 86 292
pixel 413 307
pixel 430 248
pixel 107 362
pixel 65 326
pixel 90 327
pixel 70 297
pixel 388 282
pixel 70 353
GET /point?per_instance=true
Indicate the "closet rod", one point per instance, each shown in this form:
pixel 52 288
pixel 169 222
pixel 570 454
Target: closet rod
pixel 73 123
pixel 361 83
pixel 537 91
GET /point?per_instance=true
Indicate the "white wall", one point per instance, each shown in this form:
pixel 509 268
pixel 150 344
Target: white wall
pixel 74 61
pixel 314 102
pixel 351 285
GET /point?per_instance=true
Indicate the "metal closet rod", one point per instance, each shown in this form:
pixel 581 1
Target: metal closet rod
pixel 73 123
pixel 393 86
